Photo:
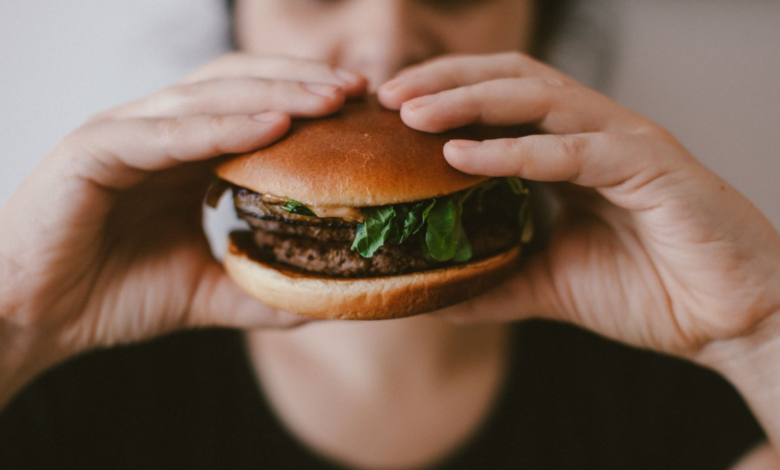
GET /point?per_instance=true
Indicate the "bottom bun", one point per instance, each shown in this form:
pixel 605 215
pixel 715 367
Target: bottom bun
pixel 362 298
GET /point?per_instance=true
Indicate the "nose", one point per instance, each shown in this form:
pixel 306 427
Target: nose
pixel 385 39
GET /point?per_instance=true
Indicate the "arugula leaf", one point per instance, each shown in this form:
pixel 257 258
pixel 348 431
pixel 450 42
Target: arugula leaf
pixel 408 220
pixel 396 233
pixel 414 219
pixel 480 192
pixel 296 207
pixel 441 221
pixel 524 213
pixel 517 186
pixel 445 238
pixel 374 230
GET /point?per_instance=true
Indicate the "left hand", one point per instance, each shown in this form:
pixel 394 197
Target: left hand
pixel 651 248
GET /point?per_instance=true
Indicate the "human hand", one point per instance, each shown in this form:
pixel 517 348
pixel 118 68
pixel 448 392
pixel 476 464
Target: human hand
pixel 651 248
pixel 103 243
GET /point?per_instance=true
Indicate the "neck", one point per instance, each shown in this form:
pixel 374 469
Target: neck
pixel 388 394
pixel 385 349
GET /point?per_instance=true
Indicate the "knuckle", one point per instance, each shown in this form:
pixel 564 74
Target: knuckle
pixel 442 59
pixel 72 145
pixel 517 149
pixel 645 128
pixel 218 122
pixel 553 82
pixel 170 100
pixel 226 60
pixel 174 96
pixel 467 94
pixel 548 86
pixel 218 140
pixel 572 147
pixel 167 132
pixel 272 65
pixel 457 59
pixel 538 84
pixel 442 62
pixel 517 58
pixel 472 98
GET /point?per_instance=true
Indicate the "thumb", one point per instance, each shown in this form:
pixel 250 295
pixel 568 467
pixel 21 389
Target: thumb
pixel 218 301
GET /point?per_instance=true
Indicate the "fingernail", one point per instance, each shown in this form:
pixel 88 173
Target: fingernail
pixel 321 89
pixel 464 144
pixel 270 116
pixel 348 76
pixel 421 102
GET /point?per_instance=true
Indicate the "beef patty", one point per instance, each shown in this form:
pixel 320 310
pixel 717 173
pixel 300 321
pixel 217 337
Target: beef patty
pixel 323 245
pixel 327 251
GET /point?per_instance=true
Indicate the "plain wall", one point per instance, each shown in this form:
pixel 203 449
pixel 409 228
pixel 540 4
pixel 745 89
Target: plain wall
pixel 709 71
pixel 63 61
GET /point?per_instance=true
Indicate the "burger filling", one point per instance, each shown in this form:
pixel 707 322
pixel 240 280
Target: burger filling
pixel 389 240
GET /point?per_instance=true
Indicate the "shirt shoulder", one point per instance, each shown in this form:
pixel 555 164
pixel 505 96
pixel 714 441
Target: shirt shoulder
pixel 575 400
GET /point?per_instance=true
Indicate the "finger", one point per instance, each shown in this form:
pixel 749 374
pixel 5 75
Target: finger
pixel 90 166
pixel 530 293
pixel 632 171
pixel 239 65
pixel 218 301
pixel 236 96
pixel 115 155
pixel 552 105
pixel 450 72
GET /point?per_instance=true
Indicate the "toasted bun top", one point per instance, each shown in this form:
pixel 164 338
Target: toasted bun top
pixel 362 156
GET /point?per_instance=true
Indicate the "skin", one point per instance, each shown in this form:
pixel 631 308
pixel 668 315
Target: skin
pixel 102 244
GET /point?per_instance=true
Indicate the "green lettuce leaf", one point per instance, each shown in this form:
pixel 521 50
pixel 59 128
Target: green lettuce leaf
pixel 445 238
pixel 525 220
pixel 374 231
pixel 517 186
pixel 440 221
pixel 412 219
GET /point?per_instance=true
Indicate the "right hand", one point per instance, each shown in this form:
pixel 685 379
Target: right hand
pixel 103 242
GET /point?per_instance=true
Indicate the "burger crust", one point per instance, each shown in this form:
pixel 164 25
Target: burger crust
pixel 365 298
pixel 362 156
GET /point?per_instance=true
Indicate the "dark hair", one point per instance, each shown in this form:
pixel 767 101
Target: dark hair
pixel 549 17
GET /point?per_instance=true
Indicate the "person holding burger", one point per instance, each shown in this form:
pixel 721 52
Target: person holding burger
pixel 103 246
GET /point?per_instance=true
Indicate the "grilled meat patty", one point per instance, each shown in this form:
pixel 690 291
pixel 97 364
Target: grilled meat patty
pixel 323 245
pixel 335 258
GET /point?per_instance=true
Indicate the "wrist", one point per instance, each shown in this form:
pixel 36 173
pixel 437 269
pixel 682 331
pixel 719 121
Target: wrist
pixel 25 350
pixel 752 364
pixel 22 358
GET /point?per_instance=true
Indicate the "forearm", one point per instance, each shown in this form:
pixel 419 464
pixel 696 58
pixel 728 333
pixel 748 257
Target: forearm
pixel 752 365
pixel 20 361
pixel 24 350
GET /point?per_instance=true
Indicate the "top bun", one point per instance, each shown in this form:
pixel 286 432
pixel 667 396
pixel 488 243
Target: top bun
pixel 362 156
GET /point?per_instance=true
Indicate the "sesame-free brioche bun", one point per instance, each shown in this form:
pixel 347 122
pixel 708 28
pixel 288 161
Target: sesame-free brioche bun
pixel 362 156
pixel 364 298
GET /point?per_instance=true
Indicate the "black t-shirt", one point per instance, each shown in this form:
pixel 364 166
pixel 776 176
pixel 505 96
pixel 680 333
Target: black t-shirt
pixel 190 400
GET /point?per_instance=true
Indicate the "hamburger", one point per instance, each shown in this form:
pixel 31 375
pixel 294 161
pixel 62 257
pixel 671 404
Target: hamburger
pixel 357 216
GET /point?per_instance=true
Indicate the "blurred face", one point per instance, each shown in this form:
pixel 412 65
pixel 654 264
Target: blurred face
pixel 380 37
